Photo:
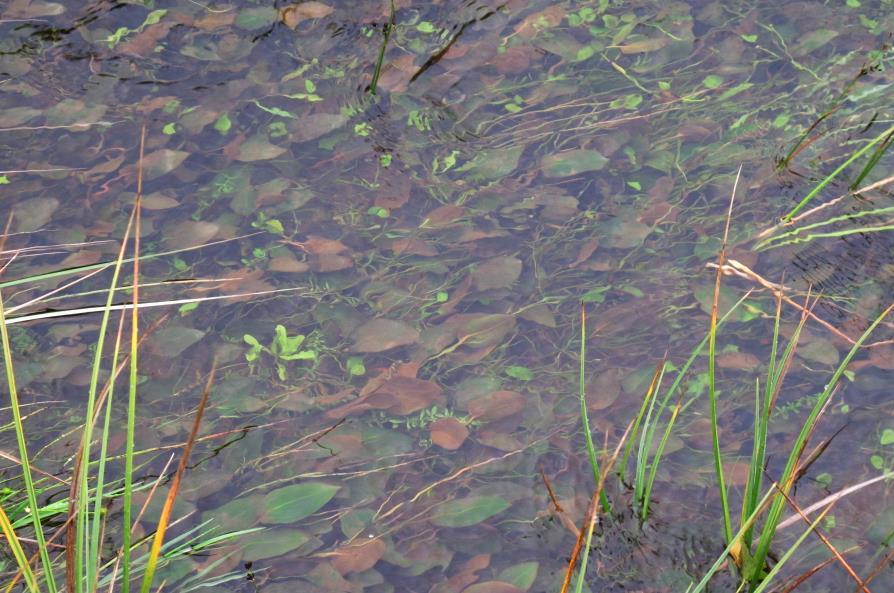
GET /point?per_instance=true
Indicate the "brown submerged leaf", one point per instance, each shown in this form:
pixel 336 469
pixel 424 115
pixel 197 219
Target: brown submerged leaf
pixel 358 557
pixel 293 14
pixel 497 272
pixel 379 335
pixel 497 405
pixel 448 433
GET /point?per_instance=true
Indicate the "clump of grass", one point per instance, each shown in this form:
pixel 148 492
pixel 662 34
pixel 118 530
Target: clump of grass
pixel 92 489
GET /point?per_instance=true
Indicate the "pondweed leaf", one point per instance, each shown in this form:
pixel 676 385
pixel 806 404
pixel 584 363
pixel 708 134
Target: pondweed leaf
pixel 572 162
pixel 293 503
pixel 379 335
pixel 521 575
pixel 468 511
pixel 271 543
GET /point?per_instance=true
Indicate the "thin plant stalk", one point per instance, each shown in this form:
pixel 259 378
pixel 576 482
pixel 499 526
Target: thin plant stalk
pixel 99 488
pixel 584 417
pixel 374 83
pixel 712 382
pixel 84 569
pixel 23 454
pixel 127 520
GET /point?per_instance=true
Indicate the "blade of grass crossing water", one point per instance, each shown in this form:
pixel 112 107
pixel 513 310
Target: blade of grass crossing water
pixel 46 562
pixel 873 161
pixel 373 85
pixel 653 470
pixel 644 407
pixel 822 184
pixel 585 419
pixel 753 573
pixel 18 553
pixel 85 568
pixel 132 384
pixel 99 488
pixel 761 419
pixel 712 380
pixel 642 454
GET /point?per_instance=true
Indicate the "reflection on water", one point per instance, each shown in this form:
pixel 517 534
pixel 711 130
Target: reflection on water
pixel 393 420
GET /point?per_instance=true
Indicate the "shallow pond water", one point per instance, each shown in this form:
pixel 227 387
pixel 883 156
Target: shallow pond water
pixel 396 251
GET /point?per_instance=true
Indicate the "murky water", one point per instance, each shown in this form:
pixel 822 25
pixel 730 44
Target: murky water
pixel 424 249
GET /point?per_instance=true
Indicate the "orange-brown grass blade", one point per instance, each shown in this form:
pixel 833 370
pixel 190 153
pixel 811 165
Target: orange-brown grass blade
pixel 590 519
pixel 18 553
pixel 165 516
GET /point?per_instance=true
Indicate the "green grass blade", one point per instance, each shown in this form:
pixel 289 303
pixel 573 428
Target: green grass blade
pixel 23 453
pixel 642 455
pixel 873 161
pixel 18 553
pixel 748 524
pixel 94 549
pixel 828 179
pixel 653 470
pixel 585 419
pixel 374 83
pixel 644 407
pixel 762 421
pixel 85 568
pixel 130 431
pixel 775 512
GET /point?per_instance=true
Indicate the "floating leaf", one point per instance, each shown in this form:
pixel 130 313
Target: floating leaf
pixel 293 503
pixel 521 575
pixel 379 335
pixel 497 404
pixel 31 214
pixel 292 15
pixel 190 234
pixel 358 557
pixel 887 437
pixel 160 162
pixel 572 162
pixel 271 543
pixel 490 165
pixel 519 372
pixel 170 342
pixel 448 433
pixel 813 40
pixel 258 148
pixel 497 272
pixel 158 201
pixel 644 45
pixel 256 18
pixel 468 511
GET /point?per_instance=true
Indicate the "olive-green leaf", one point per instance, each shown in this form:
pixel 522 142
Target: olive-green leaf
pixel 272 543
pixel 468 511
pixel 572 162
pixel 293 503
